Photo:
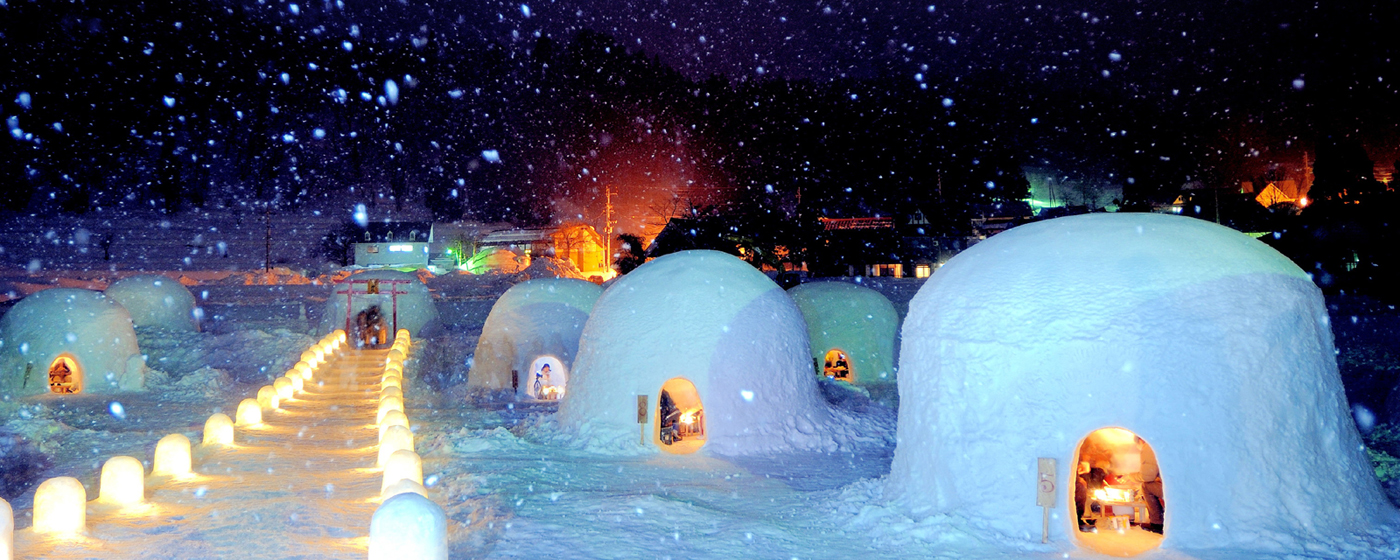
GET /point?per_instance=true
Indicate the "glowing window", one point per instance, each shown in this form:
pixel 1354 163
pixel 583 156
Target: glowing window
pixel 64 376
pixel 680 417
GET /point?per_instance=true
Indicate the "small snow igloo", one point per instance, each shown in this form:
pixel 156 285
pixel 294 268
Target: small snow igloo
pixel 1102 340
pixel 66 341
pixel 717 349
pixel 531 336
pixel 852 330
pixel 156 301
pixel 372 305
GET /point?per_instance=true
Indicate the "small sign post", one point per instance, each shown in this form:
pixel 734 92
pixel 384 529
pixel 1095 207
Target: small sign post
pixel 1045 493
pixel 642 418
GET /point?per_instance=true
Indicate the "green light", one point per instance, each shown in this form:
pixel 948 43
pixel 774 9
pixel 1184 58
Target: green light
pixel 449 251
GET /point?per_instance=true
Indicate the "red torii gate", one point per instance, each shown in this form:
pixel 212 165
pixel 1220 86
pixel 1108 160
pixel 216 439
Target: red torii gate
pixel 372 287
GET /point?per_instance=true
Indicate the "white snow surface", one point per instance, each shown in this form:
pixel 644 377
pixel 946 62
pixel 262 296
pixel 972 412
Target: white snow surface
pixel 416 310
pixel 857 320
pixel 533 319
pixel 1208 344
pixel 84 324
pixel 156 301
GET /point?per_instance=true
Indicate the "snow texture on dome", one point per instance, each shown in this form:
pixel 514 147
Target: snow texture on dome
pixel 416 310
pixel 83 325
pixel 1209 345
pixel 156 301
pixel 858 321
pixel 533 319
pixel 714 320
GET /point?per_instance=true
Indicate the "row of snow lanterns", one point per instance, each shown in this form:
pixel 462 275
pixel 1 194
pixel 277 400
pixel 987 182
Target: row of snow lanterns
pixel 60 504
pixel 407 524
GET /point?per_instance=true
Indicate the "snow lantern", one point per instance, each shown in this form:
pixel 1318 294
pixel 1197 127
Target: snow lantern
pixel 267 398
pixel 395 438
pixel 388 404
pixel 68 340
pixel 218 429
pixel 408 525
pixel 531 337
pixel 249 413
pixel 156 301
pixel 123 481
pixel 852 330
pixel 392 418
pixel 1186 340
pixel 60 506
pixel 172 456
pixel 719 351
pixel 7 531
pixel 402 486
pixel 402 464
pixel 373 304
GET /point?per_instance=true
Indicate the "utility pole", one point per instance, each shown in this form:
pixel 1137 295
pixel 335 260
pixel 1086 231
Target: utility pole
pixel 267 254
pixel 607 226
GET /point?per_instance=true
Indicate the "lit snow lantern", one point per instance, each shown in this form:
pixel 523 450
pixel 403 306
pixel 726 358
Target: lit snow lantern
pixel 172 456
pixel 60 506
pixel 402 464
pixel 396 355
pixel 395 438
pixel 298 384
pixel 392 418
pixel 340 335
pixel 387 405
pixel 218 429
pixel 387 392
pixel 302 370
pixel 267 397
pixel 7 531
pixel 402 333
pixel 123 481
pixel 283 386
pixel 391 382
pixel 408 526
pixel 249 413
pixel 402 487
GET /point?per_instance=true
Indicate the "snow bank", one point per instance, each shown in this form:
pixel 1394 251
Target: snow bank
pixel 1209 345
pixel 715 321
pixel 551 267
pixel 532 320
pixel 156 301
pixel 416 311
pixel 857 321
pixel 84 326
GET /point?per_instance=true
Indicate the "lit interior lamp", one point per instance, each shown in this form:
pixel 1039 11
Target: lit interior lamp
pixel 403 486
pixel 387 405
pixel 60 506
pixel 123 481
pixel 387 392
pixel 392 418
pixel 400 465
pixel 218 429
pixel 267 397
pixel 395 438
pixel 391 382
pixel 408 526
pixel 7 531
pixel 172 456
pixel 249 413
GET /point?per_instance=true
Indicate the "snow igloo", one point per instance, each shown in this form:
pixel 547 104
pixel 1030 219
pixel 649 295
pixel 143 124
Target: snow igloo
pixel 716 348
pixel 156 301
pixel 372 305
pixel 1101 341
pixel 67 341
pixel 531 337
pixel 852 330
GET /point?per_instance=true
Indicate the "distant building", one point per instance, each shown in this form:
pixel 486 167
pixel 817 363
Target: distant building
pixel 394 245
pixel 576 242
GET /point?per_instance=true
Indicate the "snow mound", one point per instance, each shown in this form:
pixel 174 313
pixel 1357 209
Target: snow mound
pixel 156 301
pixel 533 321
pixel 1207 344
pixel 854 320
pixel 415 309
pixel 710 319
pixel 83 326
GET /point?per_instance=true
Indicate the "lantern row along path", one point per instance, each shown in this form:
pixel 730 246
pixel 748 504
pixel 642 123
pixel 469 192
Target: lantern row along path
pixel 302 484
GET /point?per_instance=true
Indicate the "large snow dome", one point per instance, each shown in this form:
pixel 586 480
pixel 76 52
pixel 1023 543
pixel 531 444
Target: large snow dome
pixel 413 310
pixel 534 324
pixel 852 330
pixel 67 340
pixel 726 343
pixel 1211 347
pixel 156 301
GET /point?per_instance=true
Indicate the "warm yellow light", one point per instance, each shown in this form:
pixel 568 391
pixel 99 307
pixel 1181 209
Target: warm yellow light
pixel 340 335
pixel 394 368
pixel 688 417
pixel 387 392
pixel 302 370
pixel 60 506
pixel 401 487
pixel 392 375
pixel 283 386
pixel 7 531
pixel 394 439
pixel 172 456
pixel 553 392
pixel 123 481
pixel 318 353
pixel 298 384
pixel 408 526
pixel 402 333
pixel 391 382
pixel 392 418
pixel 309 357
pixel 402 464
pixel 387 405
pixel 249 413
pixel 1108 494
pixel 396 355
pixel 218 429
pixel 267 397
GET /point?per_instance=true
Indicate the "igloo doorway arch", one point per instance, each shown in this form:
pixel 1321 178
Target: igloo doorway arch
pixel 65 377
pixel 680 417
pixel 838 366
pixel 1117 494
pixel 370 328
pixel 548 379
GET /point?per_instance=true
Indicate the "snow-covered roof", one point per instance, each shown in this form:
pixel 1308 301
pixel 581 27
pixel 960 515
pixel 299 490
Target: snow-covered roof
pixel 532 319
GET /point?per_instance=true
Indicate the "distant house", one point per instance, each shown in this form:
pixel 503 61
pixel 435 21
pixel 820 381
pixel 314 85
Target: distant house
pixel 394 244
pixel 576 242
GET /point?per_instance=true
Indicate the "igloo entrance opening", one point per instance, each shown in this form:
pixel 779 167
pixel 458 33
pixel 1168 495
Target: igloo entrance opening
pixel 547 379
pixel 838 366
pixel 1117 493
pixel 64 376
pixel 680 417
pixel 370 328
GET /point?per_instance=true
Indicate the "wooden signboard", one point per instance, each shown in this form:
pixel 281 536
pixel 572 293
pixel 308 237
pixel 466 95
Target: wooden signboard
pixel 642 417
pixel 1045 493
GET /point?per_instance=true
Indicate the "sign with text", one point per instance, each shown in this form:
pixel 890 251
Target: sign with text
pixel 1045 483
pixel 641 409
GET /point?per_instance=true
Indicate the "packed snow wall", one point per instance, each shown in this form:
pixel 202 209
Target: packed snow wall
pixel 156 301
pixel 857 322
pixel 1209 345
pixel 82 333
pixel 533 319
pixel 415 309
pixel 715 321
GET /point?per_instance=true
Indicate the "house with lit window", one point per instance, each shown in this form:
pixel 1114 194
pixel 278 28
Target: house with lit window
pixel 394 245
